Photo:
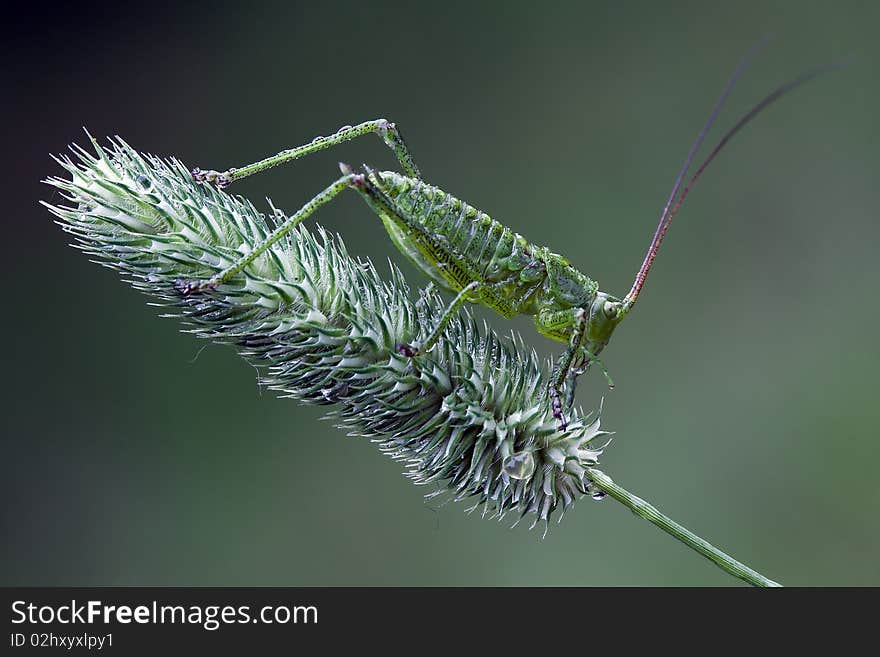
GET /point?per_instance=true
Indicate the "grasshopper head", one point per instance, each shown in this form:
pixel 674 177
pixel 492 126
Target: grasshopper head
pixel 605 314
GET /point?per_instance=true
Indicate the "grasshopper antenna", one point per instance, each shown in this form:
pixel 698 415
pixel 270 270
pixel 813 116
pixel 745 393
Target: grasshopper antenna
pixel 670 210
pixel 666 216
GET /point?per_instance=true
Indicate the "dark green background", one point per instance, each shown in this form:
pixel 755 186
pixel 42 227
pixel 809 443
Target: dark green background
pixel 746 404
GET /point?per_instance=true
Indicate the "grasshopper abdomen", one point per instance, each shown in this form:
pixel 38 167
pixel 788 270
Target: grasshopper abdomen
pixel 455 244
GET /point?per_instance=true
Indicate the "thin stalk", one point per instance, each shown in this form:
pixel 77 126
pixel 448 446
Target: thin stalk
pixel 641 508
pixel 470 416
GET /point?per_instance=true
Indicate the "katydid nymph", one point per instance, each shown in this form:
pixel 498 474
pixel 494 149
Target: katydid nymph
pixel 479 259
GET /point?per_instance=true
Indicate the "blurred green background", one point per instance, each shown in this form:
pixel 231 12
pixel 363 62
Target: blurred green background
pixel 746 401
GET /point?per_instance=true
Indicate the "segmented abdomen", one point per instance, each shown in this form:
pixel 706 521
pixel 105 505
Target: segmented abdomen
pixel 489 251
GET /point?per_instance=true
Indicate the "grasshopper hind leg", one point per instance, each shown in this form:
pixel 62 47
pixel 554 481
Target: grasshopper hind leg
pixel 386 130
pixel 238 266
pixel 380 202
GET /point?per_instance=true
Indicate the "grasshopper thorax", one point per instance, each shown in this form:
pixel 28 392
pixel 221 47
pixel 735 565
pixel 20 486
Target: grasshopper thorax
pixel 570 307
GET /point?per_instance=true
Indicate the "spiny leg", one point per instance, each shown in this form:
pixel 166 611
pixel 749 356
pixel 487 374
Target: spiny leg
pixel 575 372
pixel 348 180
pixel 571 381
pixel 385 129
pixel 445 318
pixel 383 205
pixel 563 318
pixel 566 371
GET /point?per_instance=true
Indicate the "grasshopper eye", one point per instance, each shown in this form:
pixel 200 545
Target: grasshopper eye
pixel 611 309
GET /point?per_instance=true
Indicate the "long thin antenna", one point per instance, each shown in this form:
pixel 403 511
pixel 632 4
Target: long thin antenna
pixel 665 217
pixel 670 212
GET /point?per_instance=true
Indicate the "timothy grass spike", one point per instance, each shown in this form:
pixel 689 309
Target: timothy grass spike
pixel 470 416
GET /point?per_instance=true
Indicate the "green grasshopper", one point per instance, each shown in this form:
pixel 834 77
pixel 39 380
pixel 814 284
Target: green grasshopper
pixel 479 259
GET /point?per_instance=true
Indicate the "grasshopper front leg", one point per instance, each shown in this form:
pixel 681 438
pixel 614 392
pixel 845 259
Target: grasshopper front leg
pixel 567 370
pixel 555 320
pixel 587 359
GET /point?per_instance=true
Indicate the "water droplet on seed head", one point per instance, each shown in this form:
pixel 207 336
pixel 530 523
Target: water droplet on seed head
pixel 519 465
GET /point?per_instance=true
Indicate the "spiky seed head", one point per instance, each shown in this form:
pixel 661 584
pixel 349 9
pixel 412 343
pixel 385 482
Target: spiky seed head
pixel 470 417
